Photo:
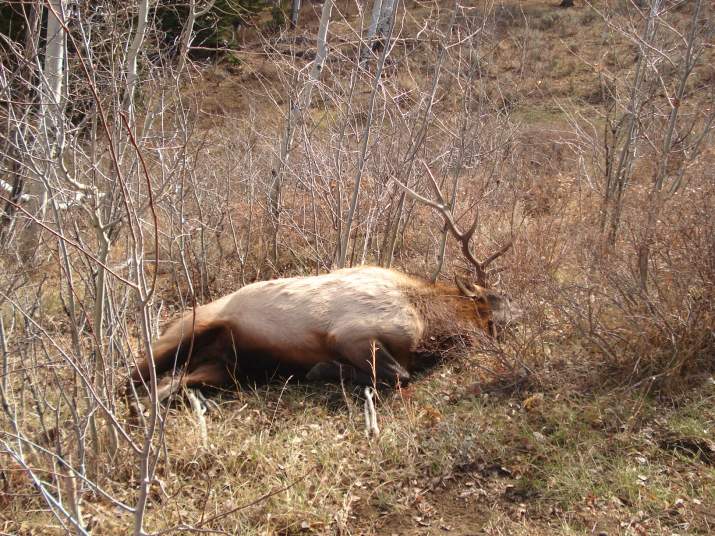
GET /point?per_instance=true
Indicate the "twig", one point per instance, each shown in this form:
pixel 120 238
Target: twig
pixel 70 242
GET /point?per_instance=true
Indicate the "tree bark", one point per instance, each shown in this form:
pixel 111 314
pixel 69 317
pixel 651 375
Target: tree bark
pixel 374 20
pixel 51 110
pixel 187 34
pixel 294 12
pixel 297 107
pixel 132 57
pixel 380 20
pixel 345 238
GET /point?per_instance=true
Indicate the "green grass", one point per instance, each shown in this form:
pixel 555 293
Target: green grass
pixel 539 115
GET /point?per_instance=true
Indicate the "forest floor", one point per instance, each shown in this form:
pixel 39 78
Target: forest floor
pixel 454 456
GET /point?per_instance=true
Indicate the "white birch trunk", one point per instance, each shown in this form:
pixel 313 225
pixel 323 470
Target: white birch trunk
pixel 374 20
pixel 294 12
pixel 302 103
pixel 132 57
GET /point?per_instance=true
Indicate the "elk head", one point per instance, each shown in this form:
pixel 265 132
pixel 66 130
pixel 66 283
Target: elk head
pixel 489 304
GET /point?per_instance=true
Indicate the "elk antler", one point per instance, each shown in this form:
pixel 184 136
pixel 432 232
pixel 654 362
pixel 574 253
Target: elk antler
pixel 463 237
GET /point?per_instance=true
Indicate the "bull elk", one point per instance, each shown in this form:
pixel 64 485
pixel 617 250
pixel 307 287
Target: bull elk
pixel 365 324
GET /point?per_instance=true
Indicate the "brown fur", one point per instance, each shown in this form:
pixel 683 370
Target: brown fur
pixel 369 322
pixel 447 314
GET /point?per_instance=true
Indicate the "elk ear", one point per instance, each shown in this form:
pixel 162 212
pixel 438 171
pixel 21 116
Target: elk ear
pixel 467 288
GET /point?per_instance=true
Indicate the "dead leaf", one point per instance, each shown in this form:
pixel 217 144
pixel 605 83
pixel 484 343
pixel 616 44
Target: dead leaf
pixel 690 445
pixel 534 402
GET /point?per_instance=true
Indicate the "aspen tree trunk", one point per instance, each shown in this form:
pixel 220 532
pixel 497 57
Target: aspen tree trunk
pixel 45 157
pixel 132 59
pixel 187 34
pixel 374 20
pixel 294 13
pixel 53 70
pixel 380 20
pixel 386 14
pixel 296 108
pixel 51 104
pixel 320 56
pixel 345 238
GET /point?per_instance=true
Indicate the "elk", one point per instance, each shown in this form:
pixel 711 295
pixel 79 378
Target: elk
pixel 366 324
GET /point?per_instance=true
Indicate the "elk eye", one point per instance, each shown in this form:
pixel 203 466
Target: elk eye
pixel 480 299
pixel 483 303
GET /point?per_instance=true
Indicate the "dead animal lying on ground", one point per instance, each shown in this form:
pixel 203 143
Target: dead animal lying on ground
pixel 363 324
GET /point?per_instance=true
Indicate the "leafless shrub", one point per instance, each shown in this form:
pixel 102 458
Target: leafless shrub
pixel 636 306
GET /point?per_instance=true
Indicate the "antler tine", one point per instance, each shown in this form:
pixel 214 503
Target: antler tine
pixel 409 191
pixel 494 256
pixel 472 229
pixel 435 186
pixel 464 238
pixel 439 207
pixel 478 266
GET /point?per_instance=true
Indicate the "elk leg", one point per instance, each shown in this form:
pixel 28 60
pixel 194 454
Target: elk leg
pixel 334 371
pixel 380 366
pixel 207 374
pixel 167 386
